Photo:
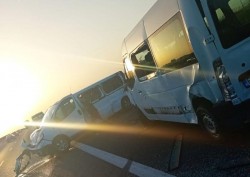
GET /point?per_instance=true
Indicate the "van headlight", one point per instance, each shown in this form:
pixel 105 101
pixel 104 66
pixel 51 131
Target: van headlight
pixel 224 82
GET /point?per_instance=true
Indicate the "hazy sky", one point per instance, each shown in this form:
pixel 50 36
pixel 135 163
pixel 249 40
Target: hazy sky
pixel 49 48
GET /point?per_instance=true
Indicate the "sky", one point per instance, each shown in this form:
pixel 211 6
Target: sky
pixel 49 49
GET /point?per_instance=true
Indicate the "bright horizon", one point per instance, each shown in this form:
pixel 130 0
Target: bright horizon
pixel 49 49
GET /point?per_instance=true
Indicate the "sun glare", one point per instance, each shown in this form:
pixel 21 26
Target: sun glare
pixel 19 92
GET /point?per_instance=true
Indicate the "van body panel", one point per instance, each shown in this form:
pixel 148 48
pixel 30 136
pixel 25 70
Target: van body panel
pixel 148 25
pixel 136 37
pixel 111 90
pixel 124 49
pixel 150 22
pixel 110 103
pixel 206 53
pixel 169 95
pixel 239 57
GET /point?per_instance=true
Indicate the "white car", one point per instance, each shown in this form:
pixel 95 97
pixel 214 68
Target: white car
pixel 59 124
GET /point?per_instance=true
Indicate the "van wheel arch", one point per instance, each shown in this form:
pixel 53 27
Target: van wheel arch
pixel 196 101
pixel 206 118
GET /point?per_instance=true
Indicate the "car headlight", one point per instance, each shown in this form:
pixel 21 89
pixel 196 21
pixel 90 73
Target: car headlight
pixel 36 137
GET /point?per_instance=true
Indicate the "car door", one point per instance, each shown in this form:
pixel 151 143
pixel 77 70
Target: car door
pixel 143 89
pixel 69 117
pixel 101 104
pixel 113 88
pixel 135 89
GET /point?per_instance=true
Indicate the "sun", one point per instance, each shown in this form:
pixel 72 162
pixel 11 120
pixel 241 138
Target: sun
pixel 19 91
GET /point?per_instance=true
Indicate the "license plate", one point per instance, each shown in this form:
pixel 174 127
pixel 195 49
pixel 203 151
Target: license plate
pixel 246 82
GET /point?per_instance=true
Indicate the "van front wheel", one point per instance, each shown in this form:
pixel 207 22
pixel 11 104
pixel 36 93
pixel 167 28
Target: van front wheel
pixel 208 121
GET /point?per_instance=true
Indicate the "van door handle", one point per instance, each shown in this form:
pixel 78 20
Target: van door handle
pixel 79 112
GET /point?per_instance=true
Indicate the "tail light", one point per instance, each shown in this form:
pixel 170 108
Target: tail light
pixel 225 84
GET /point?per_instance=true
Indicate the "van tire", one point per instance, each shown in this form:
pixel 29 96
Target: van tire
pixel 125 103
pixel 61 144
pixel 208 121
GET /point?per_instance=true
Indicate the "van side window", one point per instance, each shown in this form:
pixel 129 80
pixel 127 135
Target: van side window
pixel 66 108
pixel 171 47
pixel 95 94
pixel 198 2
pixel 112 84
pixel 143 62
pixel 231 18
pixel 90 95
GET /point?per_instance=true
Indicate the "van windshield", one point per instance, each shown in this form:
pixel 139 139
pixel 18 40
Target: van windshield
pixel 232 20
pixel 49 113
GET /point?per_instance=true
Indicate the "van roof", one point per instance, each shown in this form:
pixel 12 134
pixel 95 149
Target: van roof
pixel 157 15
pixel 96 83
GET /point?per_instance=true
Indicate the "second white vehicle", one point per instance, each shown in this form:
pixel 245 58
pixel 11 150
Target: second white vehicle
pixel 60 122
pixel 69 116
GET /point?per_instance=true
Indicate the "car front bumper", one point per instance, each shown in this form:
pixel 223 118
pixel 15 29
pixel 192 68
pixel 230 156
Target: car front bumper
pixel 43 143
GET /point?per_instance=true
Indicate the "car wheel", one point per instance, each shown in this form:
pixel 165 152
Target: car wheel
pixel 126 103
pixel 61 144
pixel 208 121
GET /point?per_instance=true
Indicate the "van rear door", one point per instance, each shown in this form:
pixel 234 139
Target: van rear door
pixel 229 21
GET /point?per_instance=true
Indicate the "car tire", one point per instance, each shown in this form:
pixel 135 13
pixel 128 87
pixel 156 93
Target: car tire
pixel 208 121
pixel 126 104
pixel 61 144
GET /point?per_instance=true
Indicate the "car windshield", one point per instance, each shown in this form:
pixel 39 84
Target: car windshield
pixel 231 18
pixel 49 113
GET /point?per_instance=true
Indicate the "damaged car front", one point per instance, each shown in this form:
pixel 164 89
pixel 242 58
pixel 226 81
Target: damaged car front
pixel 40 140
pixel 38 144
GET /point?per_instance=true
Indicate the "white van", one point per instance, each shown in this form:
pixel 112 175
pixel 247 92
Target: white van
pixel 188 61
pixel 108 95
pixel 68 116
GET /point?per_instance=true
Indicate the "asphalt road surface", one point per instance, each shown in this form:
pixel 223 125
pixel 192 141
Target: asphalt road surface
pixel 128 145
pixel 8 154
pixel 9 150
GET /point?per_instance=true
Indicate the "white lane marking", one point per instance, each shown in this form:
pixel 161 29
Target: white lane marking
pixel 108 157
pixel 1 163
pixel 135 167
pixel 146 171
pixel 175 153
